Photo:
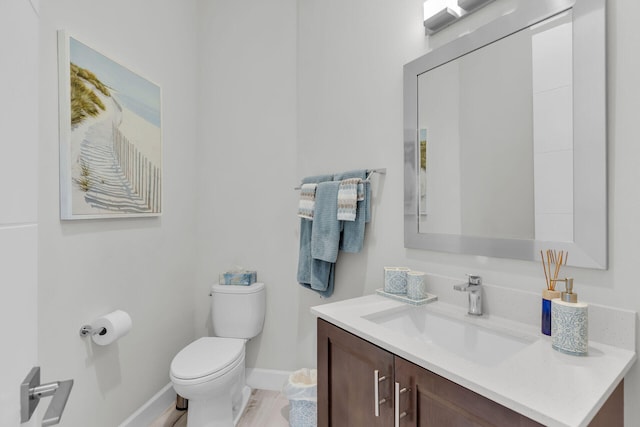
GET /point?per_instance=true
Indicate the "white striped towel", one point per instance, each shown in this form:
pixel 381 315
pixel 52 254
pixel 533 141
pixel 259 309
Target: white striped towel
pixel 348 199
pixel 307 204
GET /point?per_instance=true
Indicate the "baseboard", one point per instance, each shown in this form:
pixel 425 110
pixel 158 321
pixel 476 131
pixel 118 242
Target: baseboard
pixel 152 409
pixel 263 379
pixel 266 379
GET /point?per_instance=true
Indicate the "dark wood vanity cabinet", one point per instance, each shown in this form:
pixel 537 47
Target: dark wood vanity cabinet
pixel 433 401
pixel 347 390
pixel 347 368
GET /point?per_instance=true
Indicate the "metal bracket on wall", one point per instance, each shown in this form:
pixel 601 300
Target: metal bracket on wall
pixel 31 391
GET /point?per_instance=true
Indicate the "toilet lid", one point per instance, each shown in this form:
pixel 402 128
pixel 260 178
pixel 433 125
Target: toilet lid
pixel 206 356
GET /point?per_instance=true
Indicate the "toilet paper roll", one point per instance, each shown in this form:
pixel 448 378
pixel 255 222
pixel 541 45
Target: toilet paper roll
pixel 117 324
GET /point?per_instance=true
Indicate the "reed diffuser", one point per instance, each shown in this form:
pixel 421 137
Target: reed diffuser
pixel 551 267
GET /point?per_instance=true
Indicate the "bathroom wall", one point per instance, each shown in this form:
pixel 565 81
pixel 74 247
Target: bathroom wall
pixel 246 163
pixel 144 266
pixel 18 209
pixel 350 57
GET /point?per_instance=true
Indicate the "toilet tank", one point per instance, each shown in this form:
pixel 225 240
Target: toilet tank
pixel 238 311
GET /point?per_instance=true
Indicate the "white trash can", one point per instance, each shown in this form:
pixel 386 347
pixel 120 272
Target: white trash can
pixel 301 390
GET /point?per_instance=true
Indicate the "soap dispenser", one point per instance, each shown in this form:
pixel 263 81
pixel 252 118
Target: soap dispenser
pixel 569 322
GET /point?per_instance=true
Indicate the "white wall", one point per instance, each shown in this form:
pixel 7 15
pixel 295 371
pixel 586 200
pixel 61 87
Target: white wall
pixel 246 167
pixel 18 209
pixel 350 57
pixel 144 266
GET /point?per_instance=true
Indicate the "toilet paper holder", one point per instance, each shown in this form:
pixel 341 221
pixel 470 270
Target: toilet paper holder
pixel 88 330
pixel 108 328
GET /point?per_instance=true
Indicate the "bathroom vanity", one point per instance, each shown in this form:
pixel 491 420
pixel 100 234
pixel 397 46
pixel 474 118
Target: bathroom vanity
pixel 512 117
pixel 384 363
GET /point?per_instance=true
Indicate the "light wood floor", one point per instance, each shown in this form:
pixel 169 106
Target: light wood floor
pixel 266 408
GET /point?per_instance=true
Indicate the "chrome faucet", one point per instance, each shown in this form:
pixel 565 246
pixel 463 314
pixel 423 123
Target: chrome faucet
pixel 474 288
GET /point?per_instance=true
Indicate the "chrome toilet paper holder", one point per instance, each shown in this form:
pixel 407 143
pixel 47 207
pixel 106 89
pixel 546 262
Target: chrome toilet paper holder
pixel 88 330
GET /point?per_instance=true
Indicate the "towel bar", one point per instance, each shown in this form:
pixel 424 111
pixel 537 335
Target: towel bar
pixel 381 171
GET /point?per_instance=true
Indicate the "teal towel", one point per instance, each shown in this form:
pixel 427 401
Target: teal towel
pixel 322 277
pixel 367 201
pixel 326 276
pixel 358 173
pixel 304 255
pixel 325 231
pixel 316 272
pixel 352 240
pixel 309 270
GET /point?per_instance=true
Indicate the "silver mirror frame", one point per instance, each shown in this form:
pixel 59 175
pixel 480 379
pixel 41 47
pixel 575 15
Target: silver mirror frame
pixel 589 248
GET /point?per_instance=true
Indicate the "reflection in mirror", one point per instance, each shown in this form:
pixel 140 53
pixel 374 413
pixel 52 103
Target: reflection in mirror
pixel 505 137
pixel 495 138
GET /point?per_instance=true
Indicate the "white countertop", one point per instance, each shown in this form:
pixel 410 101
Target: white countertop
pixel 545 385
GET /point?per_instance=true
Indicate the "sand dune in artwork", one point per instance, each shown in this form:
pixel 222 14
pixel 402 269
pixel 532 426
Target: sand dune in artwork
pixel 100 185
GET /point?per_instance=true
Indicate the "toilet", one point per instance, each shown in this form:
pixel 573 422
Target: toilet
pixel 209 372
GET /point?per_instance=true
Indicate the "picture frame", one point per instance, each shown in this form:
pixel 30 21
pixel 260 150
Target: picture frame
pixel 110 136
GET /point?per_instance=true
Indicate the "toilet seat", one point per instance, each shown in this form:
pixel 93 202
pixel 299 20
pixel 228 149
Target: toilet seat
pixel 206 359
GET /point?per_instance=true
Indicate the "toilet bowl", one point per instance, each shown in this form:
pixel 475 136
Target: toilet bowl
pixel 210 372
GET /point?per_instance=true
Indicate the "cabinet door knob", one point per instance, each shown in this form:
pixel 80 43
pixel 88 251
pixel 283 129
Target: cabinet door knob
pixel 397 414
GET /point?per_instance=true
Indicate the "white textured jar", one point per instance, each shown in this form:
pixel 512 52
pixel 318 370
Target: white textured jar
pixel 416 287
pixel 395 280
pixel 570 327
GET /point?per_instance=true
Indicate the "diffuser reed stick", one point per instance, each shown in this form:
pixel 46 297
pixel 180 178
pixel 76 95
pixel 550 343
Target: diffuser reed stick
pixel 557 259
pixel 544 268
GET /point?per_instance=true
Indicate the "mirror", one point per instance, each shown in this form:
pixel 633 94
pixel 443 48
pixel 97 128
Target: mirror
pixel 505 138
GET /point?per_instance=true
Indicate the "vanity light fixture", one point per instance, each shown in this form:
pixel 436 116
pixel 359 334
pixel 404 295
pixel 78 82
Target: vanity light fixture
pixel 439 14
pixel 472 5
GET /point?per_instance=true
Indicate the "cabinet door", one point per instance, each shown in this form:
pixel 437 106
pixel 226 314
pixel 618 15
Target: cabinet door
pixel 433 401
pixel 347 368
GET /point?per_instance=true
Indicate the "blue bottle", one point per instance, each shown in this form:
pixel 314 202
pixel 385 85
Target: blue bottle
pixel 547 296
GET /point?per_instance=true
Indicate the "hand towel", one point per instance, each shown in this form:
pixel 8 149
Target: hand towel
pixel 367 201
pixel 304 257
pixel 352 239
pixel 325 229
pixel 322 277
pixel 307 202
pixel 361 191
pixel 330 280
pixel 358 173
pixel 348 199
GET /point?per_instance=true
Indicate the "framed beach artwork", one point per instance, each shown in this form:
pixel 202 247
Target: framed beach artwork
pixel 110 136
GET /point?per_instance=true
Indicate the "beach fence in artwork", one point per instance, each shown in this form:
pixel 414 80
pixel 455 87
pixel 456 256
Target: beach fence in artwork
pixel 143 176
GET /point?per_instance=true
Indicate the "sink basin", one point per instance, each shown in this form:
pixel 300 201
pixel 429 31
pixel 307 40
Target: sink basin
pixel 464 338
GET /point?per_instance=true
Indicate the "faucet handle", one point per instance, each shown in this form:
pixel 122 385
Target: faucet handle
pixel 474 279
